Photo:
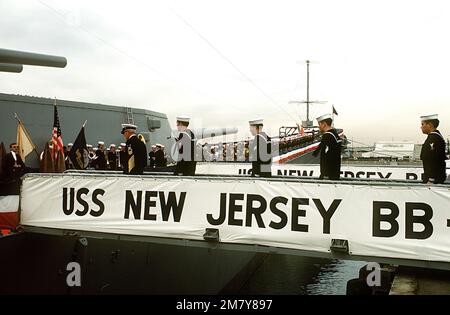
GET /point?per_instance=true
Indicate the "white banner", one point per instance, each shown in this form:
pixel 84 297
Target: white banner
pixel 313 170
pixel 395 221
pixel 9 203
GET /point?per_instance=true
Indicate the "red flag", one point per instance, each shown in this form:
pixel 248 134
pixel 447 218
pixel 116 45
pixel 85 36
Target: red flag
pixel 56 136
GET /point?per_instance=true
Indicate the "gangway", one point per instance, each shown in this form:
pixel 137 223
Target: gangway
pixel 386 221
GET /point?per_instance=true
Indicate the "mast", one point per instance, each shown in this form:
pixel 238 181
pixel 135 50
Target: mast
pixel 307 90
pixel 308 122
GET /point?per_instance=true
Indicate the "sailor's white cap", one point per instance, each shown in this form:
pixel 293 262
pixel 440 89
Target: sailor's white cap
pixel 70 144
pixel 89 146
pixel 101 143
pixel 95 149
pixel 429 117
pixel 256 122
pixel 183 118
pixel 112 145
pixel 154 146
pixel 159 145
pixel 123 144
pixel 128 126
pixel 323 117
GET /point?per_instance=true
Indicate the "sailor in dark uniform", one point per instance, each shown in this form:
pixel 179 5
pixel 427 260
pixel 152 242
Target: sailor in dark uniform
pixel 136 158
pixel 433 152
pixel 260 150
pixel 160 158
pixel 184 148
pixel 112 157
pixel 152 156
pixel 122 156
pixel 100 157
pixel 329 149
pixel 67 160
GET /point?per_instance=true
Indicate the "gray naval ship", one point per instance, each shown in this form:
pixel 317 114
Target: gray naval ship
pixel 34 261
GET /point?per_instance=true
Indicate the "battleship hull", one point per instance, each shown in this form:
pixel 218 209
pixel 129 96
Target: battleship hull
pixel 36 263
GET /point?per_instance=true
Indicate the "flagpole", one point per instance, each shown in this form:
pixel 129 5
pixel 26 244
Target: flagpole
pixel 332 112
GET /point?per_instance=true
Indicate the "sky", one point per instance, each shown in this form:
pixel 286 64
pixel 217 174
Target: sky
pixel 381 64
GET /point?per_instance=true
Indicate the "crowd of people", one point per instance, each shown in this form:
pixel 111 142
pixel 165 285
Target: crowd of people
pixel 291 143
pixel 132 157
pixel 113 158
pixel 226 152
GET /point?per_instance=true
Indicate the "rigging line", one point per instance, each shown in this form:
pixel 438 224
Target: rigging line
pixel 230 62
pixel 62 17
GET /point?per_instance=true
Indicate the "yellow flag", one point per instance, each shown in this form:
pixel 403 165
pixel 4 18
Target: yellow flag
pixel 24 142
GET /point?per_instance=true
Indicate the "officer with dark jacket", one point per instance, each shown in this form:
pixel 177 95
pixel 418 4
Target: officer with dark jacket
pixel 184 148
pixel 329 149
pixel 136 158
pixel 13 166
pixel 160 158
pixel 433 152
pixel 260 150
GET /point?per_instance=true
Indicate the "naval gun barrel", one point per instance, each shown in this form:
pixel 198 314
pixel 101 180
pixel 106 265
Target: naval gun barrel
pixel 203 133
pixel 10 67
pixel 26 58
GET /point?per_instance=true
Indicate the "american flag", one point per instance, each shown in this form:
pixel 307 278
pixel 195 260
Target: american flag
pixel 56 136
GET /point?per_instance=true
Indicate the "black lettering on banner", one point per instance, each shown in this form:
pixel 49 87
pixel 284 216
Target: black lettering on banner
pixel 134 205
pixel 423 219
pixel 292 172
pixel 255 211
pixel 296 212
pixel 411 176
pixel 68 211
pixel 81 201
pixel 359 174
pixel 222 211
pixel 388 175
pixel 349 174
pixel 69 202
pixel 390 218
pixel 233 208
pixel 369 174
pixel 172 204
pixel 99 203
pixel 283 217
pixel 305 173
pixel 327 214
pixel 280 172
pixel 149 203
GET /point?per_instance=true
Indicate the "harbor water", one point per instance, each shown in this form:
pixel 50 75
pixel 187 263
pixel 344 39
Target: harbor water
pixel 294 275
